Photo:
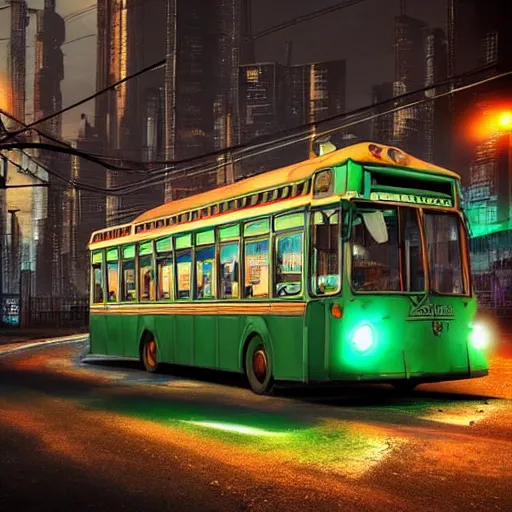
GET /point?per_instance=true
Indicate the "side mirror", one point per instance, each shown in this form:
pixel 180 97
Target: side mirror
pixel 348 210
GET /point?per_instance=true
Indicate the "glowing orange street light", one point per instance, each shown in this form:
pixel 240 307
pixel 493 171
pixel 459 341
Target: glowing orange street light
pixel 505 120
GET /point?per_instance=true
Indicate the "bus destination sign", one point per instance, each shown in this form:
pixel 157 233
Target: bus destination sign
pixel 411 198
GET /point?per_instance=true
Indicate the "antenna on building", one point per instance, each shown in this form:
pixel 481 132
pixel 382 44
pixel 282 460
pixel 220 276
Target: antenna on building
pixel 403 7
pixel 288 53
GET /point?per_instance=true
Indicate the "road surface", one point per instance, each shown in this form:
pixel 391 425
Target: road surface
pixel 78 435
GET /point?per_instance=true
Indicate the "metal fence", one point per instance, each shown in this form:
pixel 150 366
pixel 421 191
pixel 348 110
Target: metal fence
pixel 57 312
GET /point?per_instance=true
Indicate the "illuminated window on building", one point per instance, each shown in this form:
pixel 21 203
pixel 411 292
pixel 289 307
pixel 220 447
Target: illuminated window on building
pixel 205 273
pixel 252 75
pixel 257 269
pixel 289 255
pixel 184 268
pixel 229 273
pixel 164 267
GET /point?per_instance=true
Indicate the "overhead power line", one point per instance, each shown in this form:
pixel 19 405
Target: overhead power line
pixel 161 175
pixel 306 17
pixel 27 127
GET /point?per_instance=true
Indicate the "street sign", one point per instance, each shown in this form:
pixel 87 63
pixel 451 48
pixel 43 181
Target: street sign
pixel 10 310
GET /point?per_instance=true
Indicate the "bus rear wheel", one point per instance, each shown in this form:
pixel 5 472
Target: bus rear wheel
pixel 258 367
pixel 150 355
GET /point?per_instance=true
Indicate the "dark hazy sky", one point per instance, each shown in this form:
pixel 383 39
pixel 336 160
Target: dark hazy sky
pixel 361 34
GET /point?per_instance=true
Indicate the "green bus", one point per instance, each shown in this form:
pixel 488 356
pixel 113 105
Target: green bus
pixel 350 266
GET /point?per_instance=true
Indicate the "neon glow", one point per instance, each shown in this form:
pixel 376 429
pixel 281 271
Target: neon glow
pixel 237 429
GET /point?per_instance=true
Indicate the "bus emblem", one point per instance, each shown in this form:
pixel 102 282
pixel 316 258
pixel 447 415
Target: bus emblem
pixel 437 328
pixel 422 309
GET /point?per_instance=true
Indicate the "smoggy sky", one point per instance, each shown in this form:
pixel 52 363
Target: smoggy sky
pixel 362 34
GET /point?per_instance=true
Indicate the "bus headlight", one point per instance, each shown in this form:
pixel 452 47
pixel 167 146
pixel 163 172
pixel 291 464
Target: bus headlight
pixel 480 336
pixel 363 338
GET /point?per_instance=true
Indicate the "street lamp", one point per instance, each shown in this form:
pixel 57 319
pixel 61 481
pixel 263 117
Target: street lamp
pixel 505 121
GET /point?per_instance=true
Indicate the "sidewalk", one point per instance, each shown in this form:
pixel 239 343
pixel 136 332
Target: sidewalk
pixel 14 337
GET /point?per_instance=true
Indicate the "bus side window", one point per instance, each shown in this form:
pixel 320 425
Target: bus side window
pixel 146 278
pixel 184 272
pixel 288 268
pixel 229 262
pixel 97 291
pixel 164 267
pixel 205 272
pixel 112 281
pixel 256 268
pixel 128 279
pixel 325 252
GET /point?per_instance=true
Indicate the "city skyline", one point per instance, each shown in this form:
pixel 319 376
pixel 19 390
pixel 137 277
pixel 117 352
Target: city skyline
pixel 330 37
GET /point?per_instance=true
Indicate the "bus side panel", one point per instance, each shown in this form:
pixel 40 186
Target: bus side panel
pixel 164 332
pixel 116 330
pixel 317 342
pixel 129 335
pixel 287 340
pixel 205 341
pixel 184 341
pixel 98 334
pixel 229 330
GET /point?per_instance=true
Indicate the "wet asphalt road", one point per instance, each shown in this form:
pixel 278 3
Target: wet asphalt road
pixel 107 436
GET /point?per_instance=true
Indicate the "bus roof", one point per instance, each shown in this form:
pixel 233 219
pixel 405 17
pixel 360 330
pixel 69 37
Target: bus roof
pixel 292 173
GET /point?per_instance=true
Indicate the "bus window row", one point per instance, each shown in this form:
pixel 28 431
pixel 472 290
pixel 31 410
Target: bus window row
pixel 225 265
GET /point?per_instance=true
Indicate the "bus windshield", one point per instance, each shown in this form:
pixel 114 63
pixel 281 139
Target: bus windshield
pixel 378 264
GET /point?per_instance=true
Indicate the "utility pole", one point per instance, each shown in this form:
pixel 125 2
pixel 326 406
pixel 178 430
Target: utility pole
pixel 15 264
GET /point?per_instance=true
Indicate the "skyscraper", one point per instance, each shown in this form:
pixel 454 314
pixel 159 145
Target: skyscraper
pixel 129 119
pixel 382 126
pixel 409 76
pixel 261 111
pixel 436 113
pixel 204 40
pixel 314 92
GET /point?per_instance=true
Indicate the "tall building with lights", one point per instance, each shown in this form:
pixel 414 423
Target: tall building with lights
pixel 130 118
pixel 206 43
pixel 314 92
pixel 409 76
pixel 382 126
pixel 436 113
pixel 261 111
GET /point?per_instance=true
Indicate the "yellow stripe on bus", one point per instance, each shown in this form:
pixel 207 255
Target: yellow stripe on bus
pixel 203 308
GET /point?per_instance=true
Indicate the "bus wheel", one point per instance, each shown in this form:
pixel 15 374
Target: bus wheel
pixel 150 355
pixel 405 386
pixel 258 367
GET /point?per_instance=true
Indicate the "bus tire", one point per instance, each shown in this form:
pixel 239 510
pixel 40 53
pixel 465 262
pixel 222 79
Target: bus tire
pixel 149 354
pixel 258 367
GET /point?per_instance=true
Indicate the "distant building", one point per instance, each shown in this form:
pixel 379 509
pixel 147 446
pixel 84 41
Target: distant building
pixel 382 126
pixel 436 113
pixel 314 92
pixel 84 211
pixel 130 119
pixel 206 43
pixel 261 111
pixel 409 76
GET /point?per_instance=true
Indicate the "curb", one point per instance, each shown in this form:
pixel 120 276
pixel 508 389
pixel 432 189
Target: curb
pixel 75 338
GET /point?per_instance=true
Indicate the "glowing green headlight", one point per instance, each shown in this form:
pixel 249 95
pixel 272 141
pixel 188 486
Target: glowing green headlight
pixel 480 336
pixel 363 338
